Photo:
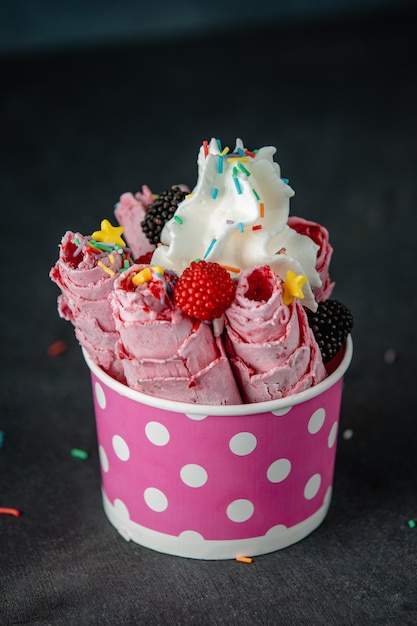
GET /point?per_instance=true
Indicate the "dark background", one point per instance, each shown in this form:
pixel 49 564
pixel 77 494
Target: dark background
pixel 97 101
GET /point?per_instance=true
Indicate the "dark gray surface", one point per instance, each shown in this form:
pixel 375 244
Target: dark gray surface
pixel 80 128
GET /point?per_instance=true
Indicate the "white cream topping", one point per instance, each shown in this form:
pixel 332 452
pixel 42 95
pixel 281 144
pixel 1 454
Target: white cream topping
pixel 237 216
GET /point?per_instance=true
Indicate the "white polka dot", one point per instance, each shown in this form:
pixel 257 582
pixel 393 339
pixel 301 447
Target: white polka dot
pixel 155 499
pixel 278 470
pixel 100 395
pixel 316 421
pixel 312 487
pixel 121 509
pixel 243 443
pixel 196 416
pixel 193 475
pixel 332 435
pixel 104 462
pixel 157 433
pixel 191 535
pixel 121 448
pixel 240 510
pixel 282 411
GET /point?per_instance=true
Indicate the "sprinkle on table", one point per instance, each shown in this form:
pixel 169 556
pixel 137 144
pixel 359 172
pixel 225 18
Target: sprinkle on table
pixel 57 348
pixel 1 438
pixel 77 453
pixel 4 510
pixel 244 559
pixel 412 523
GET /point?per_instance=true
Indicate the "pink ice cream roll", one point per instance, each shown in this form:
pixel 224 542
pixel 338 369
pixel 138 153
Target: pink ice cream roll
pixel 85 302
pixel 164 352
pixel 130 213
pixel 271 347
pixel 320 235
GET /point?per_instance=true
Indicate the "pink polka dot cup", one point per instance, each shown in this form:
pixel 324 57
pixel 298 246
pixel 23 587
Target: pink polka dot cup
pixel 216 482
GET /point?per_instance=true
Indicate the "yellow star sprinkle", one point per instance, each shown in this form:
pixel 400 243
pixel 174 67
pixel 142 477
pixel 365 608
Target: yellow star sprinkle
pixel 293 287
pixel 109 233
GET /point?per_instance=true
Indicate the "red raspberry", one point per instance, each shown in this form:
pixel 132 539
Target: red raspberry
pixel 204 290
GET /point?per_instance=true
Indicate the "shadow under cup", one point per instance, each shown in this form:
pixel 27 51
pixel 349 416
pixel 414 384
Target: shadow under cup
pixel 216 482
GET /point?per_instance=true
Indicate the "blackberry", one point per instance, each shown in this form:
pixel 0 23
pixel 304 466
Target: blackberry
pixel 160 211
pixel 331 324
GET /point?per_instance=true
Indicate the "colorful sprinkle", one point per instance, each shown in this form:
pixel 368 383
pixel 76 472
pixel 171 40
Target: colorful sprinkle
pixel 243 169
pixel 239 158
pixel 57 348
pixel 209 249
pixel 102 246
pixel 215 193
pixel 257 227
pixel 281 251
pixel 411 523
pixel 79 454
pixel 225 151
pixel 251 154
pixel 285 180
pixel 109 271
pixel 189 195
pixel 92 246
pixel 256 194
pixel 1 438
pixel 80 245
pixel 240 151
pixel 206 148
pixel 229 222
pixel 220 164
pixel 111 258
pixel 7 511
pixel 261 209
pixel 229 268
pixel 241 227
pixel 244 559
pixel 237 185
pixel 219 145
pixel 178 219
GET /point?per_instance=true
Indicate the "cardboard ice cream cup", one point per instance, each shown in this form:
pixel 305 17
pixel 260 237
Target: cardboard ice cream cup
pixel 216 482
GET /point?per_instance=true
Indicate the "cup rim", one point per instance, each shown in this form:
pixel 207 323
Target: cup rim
pixel 226 409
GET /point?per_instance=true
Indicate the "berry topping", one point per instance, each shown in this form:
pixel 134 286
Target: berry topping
pixel 144 259
pixel 331 324
pixel 160 211
pixel 204 290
